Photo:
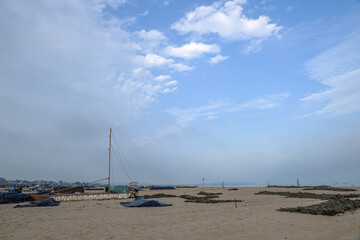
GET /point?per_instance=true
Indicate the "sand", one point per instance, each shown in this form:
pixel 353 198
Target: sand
pixel 255 218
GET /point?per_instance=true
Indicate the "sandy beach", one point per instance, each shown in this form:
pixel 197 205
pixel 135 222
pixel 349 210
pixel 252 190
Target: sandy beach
pixel 255 218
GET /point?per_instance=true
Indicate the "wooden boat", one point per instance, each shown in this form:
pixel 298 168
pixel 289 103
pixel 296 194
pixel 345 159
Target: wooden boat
pixel 66 197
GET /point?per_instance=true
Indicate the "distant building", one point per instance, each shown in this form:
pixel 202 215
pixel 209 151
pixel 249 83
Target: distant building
pixel 2 181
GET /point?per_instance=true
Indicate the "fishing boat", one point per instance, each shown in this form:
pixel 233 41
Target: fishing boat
pixel 59 195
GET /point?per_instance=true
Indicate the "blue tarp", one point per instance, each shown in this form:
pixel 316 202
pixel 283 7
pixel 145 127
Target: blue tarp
pixel 162 188
pixel 142 202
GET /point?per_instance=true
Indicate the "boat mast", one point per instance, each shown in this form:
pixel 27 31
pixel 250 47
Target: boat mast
pixel 109 160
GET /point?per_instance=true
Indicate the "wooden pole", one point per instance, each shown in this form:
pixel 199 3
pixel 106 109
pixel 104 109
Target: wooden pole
pixel 109 161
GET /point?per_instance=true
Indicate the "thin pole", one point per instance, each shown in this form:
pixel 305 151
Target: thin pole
pixel 109 160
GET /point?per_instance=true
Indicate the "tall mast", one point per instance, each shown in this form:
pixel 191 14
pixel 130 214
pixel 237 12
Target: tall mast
pixel 109 160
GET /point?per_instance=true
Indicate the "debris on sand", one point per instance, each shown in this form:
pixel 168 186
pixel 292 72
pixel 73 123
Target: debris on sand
pixel 159 195
pixel 322 187
pixel 328 208
pixel 142 202
pixel 195 198
pixel 206 199
pixel 208 194
pixel 309 195
pixel 328 188
pixel 8 197
pixel 162 188
pixel 50 202
pixel 281 186
pixel 233 189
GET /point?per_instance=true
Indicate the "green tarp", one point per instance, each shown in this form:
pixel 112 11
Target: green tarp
pixel 119 189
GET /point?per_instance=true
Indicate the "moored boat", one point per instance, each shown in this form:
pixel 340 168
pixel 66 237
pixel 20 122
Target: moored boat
pixel 111 193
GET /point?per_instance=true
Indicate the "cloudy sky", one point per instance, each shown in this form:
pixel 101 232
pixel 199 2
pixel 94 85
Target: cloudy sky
pixel 229 90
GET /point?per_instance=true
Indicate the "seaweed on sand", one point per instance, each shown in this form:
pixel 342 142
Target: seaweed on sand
pixel 328 208
pixel 327 188
pixel 159 195
pixel 281 186
pixel 206 199
pixel 208 194
pixel 195 198
pixel 309 195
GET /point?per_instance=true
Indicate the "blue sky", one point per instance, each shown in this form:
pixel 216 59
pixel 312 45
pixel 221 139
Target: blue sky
pixel 235 90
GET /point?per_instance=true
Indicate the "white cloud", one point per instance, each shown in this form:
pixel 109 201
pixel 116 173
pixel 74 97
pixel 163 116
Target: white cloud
pixel 169 90
pixel 223 107
pixel 149 41
pixel 183 117
pixel 152 35
pixel 162 77
pixel 212 117
pixel 115 4
pixel 140 82
pixel 141 73
pixel 267 102
pixel 180 67
pixel 170 83
pixel 227 20
pixel 191 50
pixel 155 61
pixel 138 89
pixel 289 8
pixel 254 46
pixel 218 58
pixel 152 60
pixel 339 69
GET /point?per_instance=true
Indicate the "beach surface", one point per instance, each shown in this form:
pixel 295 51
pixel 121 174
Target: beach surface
pixel 254 218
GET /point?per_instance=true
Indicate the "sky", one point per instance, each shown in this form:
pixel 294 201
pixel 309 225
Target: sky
pixel 232 90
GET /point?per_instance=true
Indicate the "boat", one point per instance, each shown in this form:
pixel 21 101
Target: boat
pixel 67 197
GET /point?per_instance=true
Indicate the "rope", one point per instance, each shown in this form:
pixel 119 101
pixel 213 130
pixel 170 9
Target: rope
pixel 122 156
pixel 122 164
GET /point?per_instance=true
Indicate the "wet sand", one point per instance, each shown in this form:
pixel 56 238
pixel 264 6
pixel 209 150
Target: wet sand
pixel 255 218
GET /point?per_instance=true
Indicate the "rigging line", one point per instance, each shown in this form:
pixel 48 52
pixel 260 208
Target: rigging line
pixel 122 164
pixel 127 174
pixel 123 156
pixel 116 151
pixel 126 165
